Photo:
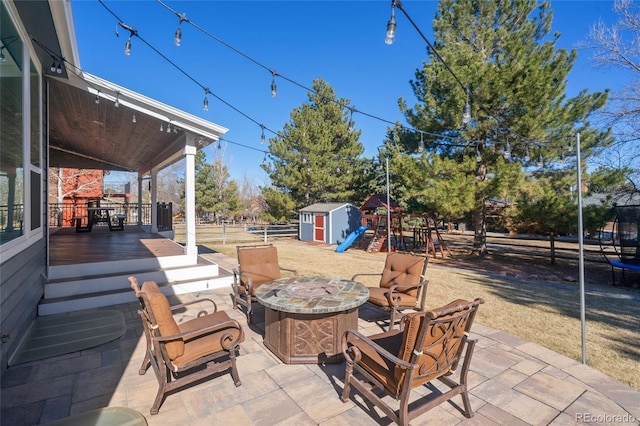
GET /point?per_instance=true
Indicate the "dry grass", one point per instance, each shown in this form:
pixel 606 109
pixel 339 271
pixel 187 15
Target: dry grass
pixel 541 312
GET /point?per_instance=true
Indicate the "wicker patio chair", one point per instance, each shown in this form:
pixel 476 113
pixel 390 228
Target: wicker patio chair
pixel 402 284
pixel 428 346
pixel 257 265
pixel 187 352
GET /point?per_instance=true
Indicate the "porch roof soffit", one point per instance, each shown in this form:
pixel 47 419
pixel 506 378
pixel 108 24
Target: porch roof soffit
pixel 100 135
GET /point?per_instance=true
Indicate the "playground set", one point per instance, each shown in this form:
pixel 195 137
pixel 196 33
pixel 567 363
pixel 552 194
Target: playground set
pixel 373 236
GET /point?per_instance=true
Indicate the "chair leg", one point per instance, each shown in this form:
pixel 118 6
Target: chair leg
pixel 468 411
pixel 347 383
pixel 393 318
pixel 234 369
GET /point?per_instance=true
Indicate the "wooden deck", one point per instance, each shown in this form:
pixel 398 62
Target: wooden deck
pixel 67 247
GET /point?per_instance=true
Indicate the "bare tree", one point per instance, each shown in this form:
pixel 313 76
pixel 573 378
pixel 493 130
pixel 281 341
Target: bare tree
pixel 617 46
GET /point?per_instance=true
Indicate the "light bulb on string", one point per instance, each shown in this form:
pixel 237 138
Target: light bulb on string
pixel 205 103
pixel 177 37
pixel 161 127
pixel 133 118
pixel 97 97
pixel 540 162
pixel 274 89
pixel 527 156
pixel 117 101
pixel 466 114
pixel 421 144
pixel 262 137
pixel 506 152
pixel 169 127
pixel 391 27
pixel 478 155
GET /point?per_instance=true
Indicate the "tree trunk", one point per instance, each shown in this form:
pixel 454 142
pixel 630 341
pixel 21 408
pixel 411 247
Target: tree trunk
pixel 480 230
pixel 552 242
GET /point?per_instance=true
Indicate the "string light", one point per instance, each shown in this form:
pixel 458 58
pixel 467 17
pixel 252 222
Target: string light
pixel 161 127
pixel 117 101
pixel 205 103
pixel 527 157
pixel 169 127
pixel 478 155
pixel 274 89
pixel 132 32
pixel 421 144
pixel 133 117
pixel 262 137
pixel 466 115
pixel 177 38
pixel 391 27
pixel 97 97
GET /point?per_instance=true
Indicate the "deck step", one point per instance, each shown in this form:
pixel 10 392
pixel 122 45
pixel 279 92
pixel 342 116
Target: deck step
pixel 96 285
pixel 62 272
pixel 114 297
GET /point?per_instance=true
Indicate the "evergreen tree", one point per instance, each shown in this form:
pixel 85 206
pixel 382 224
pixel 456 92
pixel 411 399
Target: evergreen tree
pixel 316 156
pixel 498 56
pixel 214 193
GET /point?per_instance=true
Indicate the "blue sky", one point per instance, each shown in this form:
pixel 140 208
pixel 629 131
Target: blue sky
pixel 340 41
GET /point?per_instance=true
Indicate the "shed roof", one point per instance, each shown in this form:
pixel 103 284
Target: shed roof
pixel 323 207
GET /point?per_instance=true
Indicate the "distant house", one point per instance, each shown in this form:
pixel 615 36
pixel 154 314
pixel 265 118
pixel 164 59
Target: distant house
pixel 329 223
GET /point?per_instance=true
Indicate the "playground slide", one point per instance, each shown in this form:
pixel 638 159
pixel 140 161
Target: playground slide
pixel 351 238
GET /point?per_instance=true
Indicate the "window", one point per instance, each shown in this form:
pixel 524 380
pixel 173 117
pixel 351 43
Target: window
pixel 11 132
pixel 307 218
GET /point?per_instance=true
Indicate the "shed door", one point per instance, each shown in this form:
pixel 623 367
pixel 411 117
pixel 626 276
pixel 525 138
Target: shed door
pixel 318 228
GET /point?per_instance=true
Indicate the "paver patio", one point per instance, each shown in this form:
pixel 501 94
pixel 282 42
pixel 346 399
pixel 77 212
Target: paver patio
pixel 512 381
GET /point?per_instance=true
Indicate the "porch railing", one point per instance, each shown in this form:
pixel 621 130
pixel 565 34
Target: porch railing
pixel 63 214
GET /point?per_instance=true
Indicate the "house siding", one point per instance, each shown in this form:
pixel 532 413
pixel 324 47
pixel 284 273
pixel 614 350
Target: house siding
pixel 21 288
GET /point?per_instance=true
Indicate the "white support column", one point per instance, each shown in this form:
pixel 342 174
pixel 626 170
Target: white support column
pixel 154 200
pixel 190 195
pixel 139 199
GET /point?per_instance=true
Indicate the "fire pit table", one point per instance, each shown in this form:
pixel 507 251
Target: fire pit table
pixel 305 317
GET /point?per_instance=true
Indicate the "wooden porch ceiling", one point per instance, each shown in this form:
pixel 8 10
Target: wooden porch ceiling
pixel 86 134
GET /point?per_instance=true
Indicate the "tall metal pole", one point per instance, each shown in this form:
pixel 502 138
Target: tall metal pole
pixel 581 253
pixel 388 211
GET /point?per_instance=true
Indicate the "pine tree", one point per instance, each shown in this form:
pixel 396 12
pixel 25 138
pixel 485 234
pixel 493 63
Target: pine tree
pixel 498 56
pixel 316 157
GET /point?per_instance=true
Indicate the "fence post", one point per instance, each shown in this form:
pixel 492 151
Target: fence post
pixel 265 232
pixel 224 232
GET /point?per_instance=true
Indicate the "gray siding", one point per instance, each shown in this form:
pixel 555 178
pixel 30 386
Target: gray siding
pixel 21 288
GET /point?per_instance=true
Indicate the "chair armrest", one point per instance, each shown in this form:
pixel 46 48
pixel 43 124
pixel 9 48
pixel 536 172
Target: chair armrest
pixel 198 332
pixel 407 286
pixel 193 302
pixel 361 275
pixel 348 350
pixel 290 270
pixel 394 300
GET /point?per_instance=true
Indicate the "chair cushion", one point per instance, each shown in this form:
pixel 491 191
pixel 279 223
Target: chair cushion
pixel 377 365
pixel 402 269
pixel 162 313
pixel 206 344
pixel 378 296
pixel 260 264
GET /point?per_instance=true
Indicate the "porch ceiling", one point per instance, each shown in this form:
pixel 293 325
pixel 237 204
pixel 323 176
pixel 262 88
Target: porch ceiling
pixel 86 134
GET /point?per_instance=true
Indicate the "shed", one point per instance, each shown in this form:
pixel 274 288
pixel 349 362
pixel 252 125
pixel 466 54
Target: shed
pixel 329 223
